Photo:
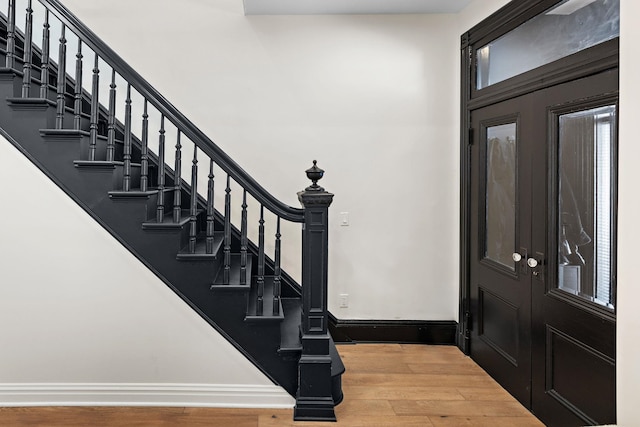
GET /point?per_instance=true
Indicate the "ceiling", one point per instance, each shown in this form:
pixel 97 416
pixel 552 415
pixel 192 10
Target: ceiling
pixel 336 7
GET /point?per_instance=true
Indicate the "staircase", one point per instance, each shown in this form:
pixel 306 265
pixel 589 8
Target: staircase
pixel 109 150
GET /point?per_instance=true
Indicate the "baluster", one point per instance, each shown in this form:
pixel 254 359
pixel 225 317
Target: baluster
pixel 177 188
pixel 126 184
pixel 210 210
pixel 260 283
pixel 77 106
pixel 44 69
pixel 160 208
pixel 10 59
pixel 243 241
pixel 62 79
pixel 194 201
pixel 95 110
pixel 277 272
pixel 111 121
pixel 144 151
pixel 227 232
pixel 28 48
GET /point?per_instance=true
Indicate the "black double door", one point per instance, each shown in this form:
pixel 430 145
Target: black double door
pixel 542 254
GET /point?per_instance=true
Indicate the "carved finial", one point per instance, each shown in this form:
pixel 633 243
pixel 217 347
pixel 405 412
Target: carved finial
pixel 315 174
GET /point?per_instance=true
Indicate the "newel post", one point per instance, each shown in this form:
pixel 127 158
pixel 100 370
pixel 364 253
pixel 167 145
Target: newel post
pixel 314 399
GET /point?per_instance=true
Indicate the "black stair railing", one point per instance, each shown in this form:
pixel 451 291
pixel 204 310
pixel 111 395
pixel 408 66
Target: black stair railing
pixel 314 399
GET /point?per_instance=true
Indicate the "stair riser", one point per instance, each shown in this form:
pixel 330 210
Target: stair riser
pixel 11 84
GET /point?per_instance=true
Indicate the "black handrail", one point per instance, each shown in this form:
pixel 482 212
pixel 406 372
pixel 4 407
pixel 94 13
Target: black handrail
pixel 171 113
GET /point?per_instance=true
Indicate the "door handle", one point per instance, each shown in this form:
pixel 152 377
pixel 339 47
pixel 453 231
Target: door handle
pixel 516 257
pixel 537 265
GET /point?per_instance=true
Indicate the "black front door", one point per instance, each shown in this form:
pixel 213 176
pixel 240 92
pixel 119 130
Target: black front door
pixel 542 233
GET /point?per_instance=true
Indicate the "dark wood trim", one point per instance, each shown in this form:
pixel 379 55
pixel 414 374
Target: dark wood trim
pixel 590 61
pixel 463 337
pixel 572 67
pixel 440 332
pixel 504 20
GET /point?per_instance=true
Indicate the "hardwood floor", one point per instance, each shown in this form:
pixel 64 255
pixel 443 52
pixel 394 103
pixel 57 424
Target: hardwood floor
pixel 385 385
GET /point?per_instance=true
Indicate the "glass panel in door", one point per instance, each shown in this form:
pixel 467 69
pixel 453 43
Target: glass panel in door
pixel 585 202
pixel 500 197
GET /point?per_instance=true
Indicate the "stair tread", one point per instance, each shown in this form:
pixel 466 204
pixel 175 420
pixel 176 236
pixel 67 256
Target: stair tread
pixel 201 248
pixel 102 164
pixel 132 194
pixel 31 101
pixel 63 132
pixel 167 221
pixel 267 305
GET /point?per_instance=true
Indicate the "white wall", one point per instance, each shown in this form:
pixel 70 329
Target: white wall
pixel 83 321
pixel 628 326
pixel 370 97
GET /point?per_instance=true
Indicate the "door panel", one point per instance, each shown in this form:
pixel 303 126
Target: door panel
pixel 544 325
pixel 501 304
pixel 573 317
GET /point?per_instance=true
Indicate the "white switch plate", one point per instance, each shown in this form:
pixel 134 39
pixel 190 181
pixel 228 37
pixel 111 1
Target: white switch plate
pixel 344 300
pixel 344 219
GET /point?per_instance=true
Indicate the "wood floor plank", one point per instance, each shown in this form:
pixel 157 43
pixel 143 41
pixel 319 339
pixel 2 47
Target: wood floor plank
pixel 446 368
pixel 402 393
pixel 458 408
pixel 348 420
pixel 485 393
pixel 418 380
pixel 385 385
pixel 485 422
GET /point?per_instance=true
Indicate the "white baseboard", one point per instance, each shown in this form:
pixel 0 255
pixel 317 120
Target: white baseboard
pixel 109 394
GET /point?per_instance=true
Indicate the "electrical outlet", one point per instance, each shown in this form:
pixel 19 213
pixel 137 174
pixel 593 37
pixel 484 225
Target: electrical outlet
pixel 344 300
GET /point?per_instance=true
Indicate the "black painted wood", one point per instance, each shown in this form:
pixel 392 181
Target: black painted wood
pixel 243 240
pixel 161 171
pixel 227 232
pixel 44 68
pixel 393 331
pixel 28 48
pixel 111 121
pixel 126 184
pixel 177 177
pixel 11 31
pixel 144 179
pixel 314 399
pixel 61 79
pixel 194 201
pixel 210 210
pixel 95 109
pixel 260 277
pixel 277 271
pixel 77 104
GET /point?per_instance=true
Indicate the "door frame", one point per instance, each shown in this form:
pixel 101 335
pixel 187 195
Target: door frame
pixel 590 61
